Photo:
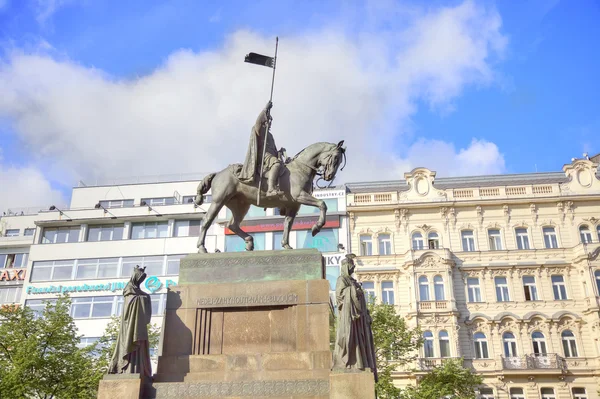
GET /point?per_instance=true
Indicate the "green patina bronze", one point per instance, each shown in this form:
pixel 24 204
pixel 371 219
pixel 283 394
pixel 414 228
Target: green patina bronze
pixel 240 267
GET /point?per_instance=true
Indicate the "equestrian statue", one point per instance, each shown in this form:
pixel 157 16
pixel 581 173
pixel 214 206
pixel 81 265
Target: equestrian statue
pixel 287 183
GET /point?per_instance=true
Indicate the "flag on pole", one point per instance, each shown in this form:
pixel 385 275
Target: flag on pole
pixel 259 59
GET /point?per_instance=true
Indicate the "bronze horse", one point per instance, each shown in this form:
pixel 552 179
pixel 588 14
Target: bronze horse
pixel 295 184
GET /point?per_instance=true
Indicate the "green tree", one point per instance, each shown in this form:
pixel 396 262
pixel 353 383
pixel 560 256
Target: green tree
pixel 106 344
pixel 39 357
pixel 395 345
pixel 449 380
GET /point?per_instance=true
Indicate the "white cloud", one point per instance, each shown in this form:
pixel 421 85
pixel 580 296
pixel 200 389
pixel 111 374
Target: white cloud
pixel 44 9
pixel 194 113
pixel 24 187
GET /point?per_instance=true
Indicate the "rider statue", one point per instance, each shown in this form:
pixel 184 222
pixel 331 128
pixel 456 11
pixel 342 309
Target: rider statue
pixel 271 163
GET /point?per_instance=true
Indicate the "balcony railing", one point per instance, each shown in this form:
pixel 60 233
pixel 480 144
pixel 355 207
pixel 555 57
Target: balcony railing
pixel 433 305
pixel 533 362
pixel 428 363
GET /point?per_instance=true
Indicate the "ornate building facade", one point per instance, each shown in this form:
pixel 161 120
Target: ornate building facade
pixel 502 271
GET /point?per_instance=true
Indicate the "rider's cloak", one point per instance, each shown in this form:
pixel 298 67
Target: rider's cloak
pixel 250 169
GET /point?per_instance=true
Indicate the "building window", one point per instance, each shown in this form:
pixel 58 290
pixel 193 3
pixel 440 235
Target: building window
pixel 277 238
pixel 387 292
pixel 173 262
pixel 550 237
pixel 187 228
pixel 579 393
pixel 522 238
pixel 58 235
pixel 117 203
pixel 559 288
pixel 428 344
pixel 149 230
pixel 325 241
pixel 332 206
pixel 539 343
pixel 189 199
pixel 569 343
pixel 97 268
pixel 468 240
pixel 52 270
pixel 12 233
pixel 417 241
pixel 366 245
pixel 385 244
pixel 154 265
pixel 92 307
pixel 157 201
pixel 29 232
pixel 495 240
pixel 585 234
pixel 548 393
pixel 517 393
pixel 369 290
pixel 597 275
pixel 486 393
pixel 481 346
pixel 474 289
pixel 433 240
pixel 38 305
pixel 84 342
pixel 510 344
pixel 235 243
pixel 105 233
pixel 530 288
pixel 444 344
pixel 10 295
pixel 423 288
pixel 502 294
pixel 438 288
pixel 16 261
pixel 598 231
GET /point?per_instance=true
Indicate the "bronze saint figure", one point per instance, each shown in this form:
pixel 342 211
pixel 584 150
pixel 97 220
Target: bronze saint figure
pixel 271 164
pixel 132 351
pixel 354 348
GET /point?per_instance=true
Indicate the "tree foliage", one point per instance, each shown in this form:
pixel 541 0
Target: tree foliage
pixel 106 344
pixel 449 380
pixel 395 345
pixel 39 357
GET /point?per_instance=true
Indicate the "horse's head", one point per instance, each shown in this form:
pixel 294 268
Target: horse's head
pixel 330 160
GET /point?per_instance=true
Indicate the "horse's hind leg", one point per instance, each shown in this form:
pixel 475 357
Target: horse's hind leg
pixel 238 211
pixel 287 227
pixel 211 214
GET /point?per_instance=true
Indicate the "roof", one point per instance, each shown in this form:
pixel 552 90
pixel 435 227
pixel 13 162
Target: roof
pixel 444 183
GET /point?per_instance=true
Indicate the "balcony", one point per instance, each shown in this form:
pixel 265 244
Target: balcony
pixel 430 306
pixel 549 361
pixel 428 363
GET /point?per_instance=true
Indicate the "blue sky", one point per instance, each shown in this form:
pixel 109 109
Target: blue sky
pixel 97 89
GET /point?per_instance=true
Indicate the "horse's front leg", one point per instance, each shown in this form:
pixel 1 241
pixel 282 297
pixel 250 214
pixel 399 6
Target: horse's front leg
pixel 306 199
pixel 287 227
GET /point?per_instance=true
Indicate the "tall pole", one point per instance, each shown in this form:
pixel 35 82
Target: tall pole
pixel 262 159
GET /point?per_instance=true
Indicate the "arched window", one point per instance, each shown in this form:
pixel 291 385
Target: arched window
pixel 423 288
pixel 550 240
pixel 481 346
pixel 585 234
pixel 366 245
pixel 438 288
pixel 385 244
pixel 569 343
pixel 539 343
pixel 444 344
pixel 433 240
pixel 417 240
pixel 428 344
pixel 597 274
pixel 510 344
pixel 468 240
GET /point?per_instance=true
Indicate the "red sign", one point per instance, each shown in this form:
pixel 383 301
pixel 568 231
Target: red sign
pixel 12 274
pixel 301 223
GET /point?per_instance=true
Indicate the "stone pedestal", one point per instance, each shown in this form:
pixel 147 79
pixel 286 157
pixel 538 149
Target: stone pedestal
pixel 352 385
pixel 251 325
pixel 120 386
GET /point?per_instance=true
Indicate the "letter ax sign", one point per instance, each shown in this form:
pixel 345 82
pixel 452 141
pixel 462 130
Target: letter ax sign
pixel 12 274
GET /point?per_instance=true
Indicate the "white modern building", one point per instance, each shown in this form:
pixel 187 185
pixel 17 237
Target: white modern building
pixel 89 248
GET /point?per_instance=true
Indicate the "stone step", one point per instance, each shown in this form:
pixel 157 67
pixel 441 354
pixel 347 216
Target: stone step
pixel 288 388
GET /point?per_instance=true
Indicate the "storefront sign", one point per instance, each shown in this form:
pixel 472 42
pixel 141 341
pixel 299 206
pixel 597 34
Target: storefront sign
pixel 301 223
pixel 12 274
pixel 328 194
pixel 152 284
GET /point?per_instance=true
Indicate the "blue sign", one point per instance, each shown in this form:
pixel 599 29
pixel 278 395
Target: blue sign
pixel 152 284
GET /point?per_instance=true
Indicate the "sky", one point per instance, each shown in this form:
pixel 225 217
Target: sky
pixel 93 90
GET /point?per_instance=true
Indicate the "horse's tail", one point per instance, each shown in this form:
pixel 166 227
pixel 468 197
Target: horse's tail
pixel 203 188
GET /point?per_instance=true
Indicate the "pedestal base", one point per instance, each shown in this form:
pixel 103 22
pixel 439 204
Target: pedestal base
pixel 352 385
pixel 114 386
